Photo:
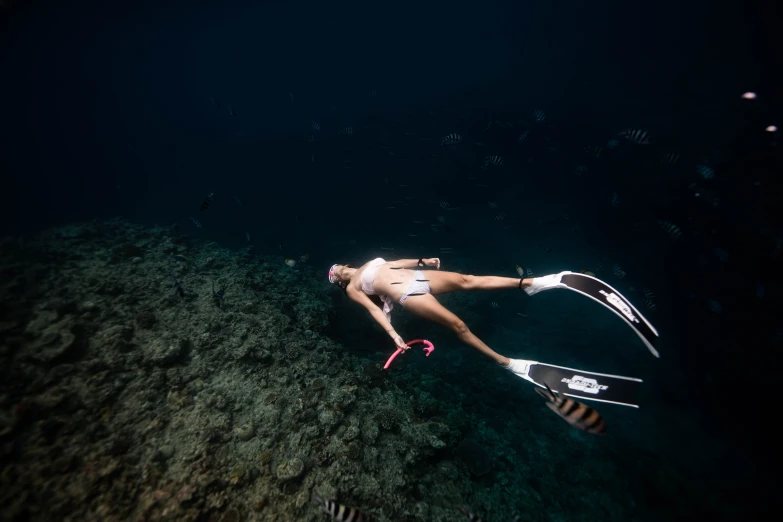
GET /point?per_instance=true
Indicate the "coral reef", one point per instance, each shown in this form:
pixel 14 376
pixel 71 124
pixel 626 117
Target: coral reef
pixel 123 399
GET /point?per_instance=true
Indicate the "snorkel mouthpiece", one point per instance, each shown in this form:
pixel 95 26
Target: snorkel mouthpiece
pixel 332 275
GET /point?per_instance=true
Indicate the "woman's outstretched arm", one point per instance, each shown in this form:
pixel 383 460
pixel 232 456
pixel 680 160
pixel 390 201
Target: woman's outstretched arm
pixel 414 263
pixel 377 314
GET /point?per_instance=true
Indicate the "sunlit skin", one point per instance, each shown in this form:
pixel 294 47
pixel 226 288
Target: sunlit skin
pixel 402 272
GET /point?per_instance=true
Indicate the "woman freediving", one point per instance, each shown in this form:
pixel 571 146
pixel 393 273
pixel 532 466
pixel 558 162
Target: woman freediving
pixel 396 282
pixel 379 282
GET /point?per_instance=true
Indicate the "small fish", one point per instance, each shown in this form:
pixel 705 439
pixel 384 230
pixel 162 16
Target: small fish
pixel 671 229
pixel 709 196
pixel 299 376
pixel 312 158
pixel 247 236
pixel 304 258
pixel 214 102
pixel 291 95
pixel 670 158
pixel 373 93
pixel 520 270
pixel 346 130
pixel 587 273
pixel 311 137
pixel 315 126
pixel 231 111
pixel 494 304
pixel 615 199
pixel 290 262
pixel 492 204
pixel 339 512
pixel 594 150
pixel 722 255
pixel 238 202
pixel 493 160
pixel 175 284
pixel 451 139
pixel 413 235
pixel 638 136
pixel 714 306
pixel 218 296
pixel 470 516
pixel 522 137
pixel 445 206
pixel 619 272
pixel 441 219
pixel 539 115
pixel 499 217
pixel 529 272
pixel 578 415
pixel 612 144
pixel 649 299
pixel 418 222
pixel 387 248
pixel 207 202
pixel 196 222
pixel 705 171
pixel 580 170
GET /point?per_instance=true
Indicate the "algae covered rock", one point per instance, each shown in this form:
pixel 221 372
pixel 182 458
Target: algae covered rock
pixel 245 431
pixel 290 469
pixel 55 342
pixel 163 353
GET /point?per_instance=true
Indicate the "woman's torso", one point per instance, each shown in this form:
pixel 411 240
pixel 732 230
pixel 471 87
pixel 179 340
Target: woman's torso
pixel 387 281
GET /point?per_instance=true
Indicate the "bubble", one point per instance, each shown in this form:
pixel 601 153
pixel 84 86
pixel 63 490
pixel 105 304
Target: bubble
pixel 749 95
pixel 772 128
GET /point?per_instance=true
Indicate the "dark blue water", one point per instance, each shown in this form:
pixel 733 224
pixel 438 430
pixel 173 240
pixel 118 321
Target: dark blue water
pixel 139 110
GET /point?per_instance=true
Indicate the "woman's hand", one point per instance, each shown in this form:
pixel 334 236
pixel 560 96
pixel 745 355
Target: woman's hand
pixel 433 261
pixel 400 343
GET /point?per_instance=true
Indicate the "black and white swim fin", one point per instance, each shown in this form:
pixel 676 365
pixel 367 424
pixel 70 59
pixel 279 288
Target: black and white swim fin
pixel 606 295
pixel 601 387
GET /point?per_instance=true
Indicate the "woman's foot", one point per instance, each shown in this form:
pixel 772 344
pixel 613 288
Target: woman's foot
pixel 519 367
pixel 545 283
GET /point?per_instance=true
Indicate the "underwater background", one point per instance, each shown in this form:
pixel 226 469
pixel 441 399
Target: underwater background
pixel 179 177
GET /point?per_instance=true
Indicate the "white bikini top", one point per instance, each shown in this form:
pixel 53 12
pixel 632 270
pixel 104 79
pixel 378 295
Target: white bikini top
pixel 368 278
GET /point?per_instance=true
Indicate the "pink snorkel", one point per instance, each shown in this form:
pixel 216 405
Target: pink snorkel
pixel 427 348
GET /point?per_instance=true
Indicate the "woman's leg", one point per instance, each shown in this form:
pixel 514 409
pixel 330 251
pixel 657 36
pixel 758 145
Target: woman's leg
pixel 428 307
pixel 443 282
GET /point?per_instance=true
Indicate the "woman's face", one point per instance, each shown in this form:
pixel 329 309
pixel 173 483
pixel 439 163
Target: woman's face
pixel 341 275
